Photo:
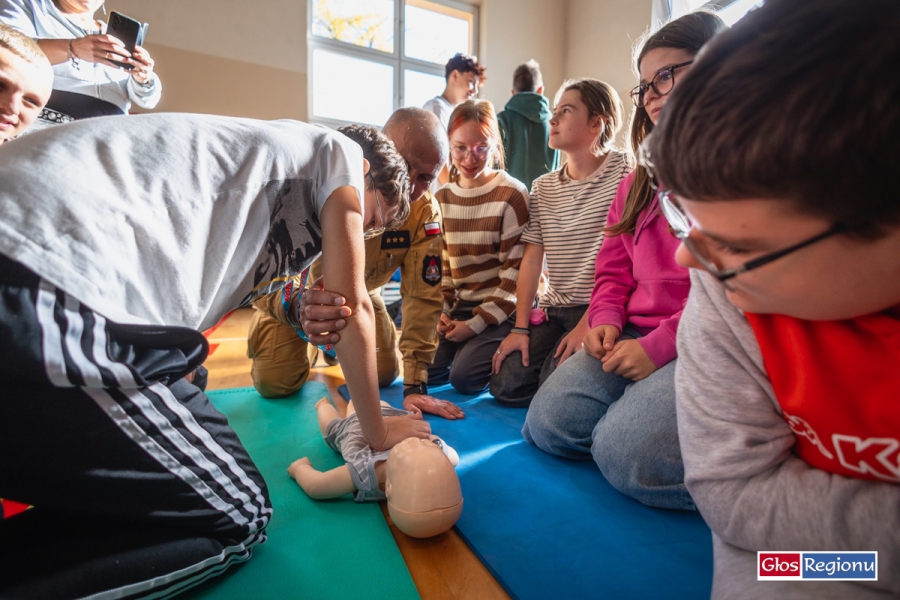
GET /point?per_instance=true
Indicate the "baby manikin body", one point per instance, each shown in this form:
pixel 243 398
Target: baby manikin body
pixel 416 477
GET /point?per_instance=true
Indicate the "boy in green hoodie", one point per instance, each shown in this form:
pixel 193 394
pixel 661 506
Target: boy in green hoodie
pixel 525 127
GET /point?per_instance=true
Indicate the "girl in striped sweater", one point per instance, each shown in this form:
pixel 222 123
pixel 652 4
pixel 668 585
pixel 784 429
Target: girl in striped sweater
pixel 615 402
pixel 568 211
pixel 485 211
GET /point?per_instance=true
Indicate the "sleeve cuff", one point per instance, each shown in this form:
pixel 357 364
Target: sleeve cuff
pixel 477 324
pixel 606 316
pixel 414 372
pixel 660 347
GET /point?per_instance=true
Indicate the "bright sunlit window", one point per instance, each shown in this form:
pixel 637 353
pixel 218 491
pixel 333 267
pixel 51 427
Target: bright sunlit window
pixel 361 66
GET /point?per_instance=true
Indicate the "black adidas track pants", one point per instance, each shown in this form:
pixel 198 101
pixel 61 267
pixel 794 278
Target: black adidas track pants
pixel 140 488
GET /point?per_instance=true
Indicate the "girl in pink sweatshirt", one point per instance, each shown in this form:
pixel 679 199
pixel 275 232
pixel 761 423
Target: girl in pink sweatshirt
pixel 615 401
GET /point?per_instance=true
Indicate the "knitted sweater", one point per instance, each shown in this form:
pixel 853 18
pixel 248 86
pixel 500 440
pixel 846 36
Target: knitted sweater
pixel 482 249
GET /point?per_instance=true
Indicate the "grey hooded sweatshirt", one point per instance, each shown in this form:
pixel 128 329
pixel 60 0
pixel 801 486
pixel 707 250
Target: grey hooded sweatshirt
pixel 525 129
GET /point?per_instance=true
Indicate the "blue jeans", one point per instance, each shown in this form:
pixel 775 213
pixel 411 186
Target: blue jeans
pixel 628 427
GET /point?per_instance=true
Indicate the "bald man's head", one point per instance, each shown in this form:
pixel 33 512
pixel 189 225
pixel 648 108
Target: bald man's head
pixel 422 141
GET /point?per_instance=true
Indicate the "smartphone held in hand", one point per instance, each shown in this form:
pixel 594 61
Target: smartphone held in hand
pixel 130 31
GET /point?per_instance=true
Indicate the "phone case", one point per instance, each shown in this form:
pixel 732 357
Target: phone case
pixel 130 31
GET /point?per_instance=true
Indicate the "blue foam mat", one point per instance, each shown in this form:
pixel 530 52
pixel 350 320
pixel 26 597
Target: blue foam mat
pixel 548 527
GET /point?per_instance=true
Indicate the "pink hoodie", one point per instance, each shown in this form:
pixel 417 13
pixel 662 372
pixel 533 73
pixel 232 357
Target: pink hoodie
pixel 637 281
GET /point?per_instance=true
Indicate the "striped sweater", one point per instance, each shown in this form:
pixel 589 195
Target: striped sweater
pixel 482 249
pixel 567 218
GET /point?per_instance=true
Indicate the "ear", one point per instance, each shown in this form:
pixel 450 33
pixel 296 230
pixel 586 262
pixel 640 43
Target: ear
pixel 512 92
pixel 366 167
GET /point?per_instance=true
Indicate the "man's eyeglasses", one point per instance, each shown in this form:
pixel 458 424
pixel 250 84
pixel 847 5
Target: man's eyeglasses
pixel 376 231
pixel 662 83
pixel 462 152
pixel 682 226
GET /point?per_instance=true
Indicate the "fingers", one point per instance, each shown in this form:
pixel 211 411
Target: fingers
pixel 612 361
pixel 610 335
pixel 497 360
pixel 300 463
pixel 318 326
pixel 569 351
pixel 448 410
pixel 561 348
pixel 323 339
pixel 315 296
pixel 400 428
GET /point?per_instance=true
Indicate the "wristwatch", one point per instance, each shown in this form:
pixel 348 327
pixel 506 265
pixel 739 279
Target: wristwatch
pixel 416 388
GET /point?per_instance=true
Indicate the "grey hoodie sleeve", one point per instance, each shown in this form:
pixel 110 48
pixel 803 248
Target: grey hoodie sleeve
pixel 754 493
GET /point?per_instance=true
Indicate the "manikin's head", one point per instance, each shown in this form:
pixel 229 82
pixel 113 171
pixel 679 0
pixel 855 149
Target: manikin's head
pixel 423 493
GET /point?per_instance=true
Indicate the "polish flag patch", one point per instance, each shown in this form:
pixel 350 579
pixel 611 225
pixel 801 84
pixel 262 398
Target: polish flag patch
pixel 432 229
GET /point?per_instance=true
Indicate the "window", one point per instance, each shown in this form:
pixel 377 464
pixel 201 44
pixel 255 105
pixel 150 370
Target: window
pixel 370 57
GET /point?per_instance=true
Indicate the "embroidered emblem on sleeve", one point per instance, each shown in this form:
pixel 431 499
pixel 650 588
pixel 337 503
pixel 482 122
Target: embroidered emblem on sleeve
pixel 432 229
pixel 431 269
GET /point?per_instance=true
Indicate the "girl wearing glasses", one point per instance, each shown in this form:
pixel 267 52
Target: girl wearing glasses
pixel 567 214
pixel 615 402
pixel 485 211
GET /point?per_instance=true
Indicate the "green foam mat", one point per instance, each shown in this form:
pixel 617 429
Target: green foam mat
pixel 316 549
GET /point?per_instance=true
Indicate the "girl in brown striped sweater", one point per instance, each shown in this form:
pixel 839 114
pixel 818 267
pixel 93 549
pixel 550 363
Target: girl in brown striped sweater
pixel 485 211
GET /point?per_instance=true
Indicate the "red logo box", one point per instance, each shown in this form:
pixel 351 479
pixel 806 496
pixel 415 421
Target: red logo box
pixel 779 564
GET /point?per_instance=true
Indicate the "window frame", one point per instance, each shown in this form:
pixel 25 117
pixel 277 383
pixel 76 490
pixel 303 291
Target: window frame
pixel 395 59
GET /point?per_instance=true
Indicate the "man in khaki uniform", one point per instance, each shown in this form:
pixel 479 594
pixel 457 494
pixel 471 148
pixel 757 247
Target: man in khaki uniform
pixel 280 361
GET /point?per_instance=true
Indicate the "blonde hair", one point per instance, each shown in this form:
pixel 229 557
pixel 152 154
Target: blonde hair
pixel 601 101
pixel 481 112
pixel 22 46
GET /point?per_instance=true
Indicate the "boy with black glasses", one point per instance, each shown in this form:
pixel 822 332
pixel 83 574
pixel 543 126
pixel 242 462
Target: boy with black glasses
pixel 777 151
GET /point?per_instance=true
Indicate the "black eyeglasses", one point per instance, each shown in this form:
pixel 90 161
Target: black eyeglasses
pixel 662 83
pixel 683 226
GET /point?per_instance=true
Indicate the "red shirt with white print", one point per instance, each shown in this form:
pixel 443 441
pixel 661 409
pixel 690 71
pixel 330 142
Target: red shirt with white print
pixel 838 384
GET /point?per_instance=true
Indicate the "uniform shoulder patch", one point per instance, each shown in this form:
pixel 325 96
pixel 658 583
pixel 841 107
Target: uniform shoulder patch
pixel 433 228
pixel 395 239
pixel 431 269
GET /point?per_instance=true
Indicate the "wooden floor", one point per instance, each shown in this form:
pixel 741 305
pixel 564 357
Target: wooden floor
pixel 442 567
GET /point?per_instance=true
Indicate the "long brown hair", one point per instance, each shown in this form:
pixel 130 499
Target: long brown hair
pixel 481 112
pixel 688 33
pixel 601 100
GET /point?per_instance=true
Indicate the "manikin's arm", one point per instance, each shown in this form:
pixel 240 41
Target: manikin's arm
pixel 321 485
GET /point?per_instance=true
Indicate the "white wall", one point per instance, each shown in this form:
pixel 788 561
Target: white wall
pixel 243 59
pixel 600 35
pixel 268 32
pixel 513 31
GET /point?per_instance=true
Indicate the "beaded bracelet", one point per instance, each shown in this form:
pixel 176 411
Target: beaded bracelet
pixel 522 330
pixel 76 62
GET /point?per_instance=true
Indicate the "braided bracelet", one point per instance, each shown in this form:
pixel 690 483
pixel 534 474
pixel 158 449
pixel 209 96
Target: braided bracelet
pixel 522 330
